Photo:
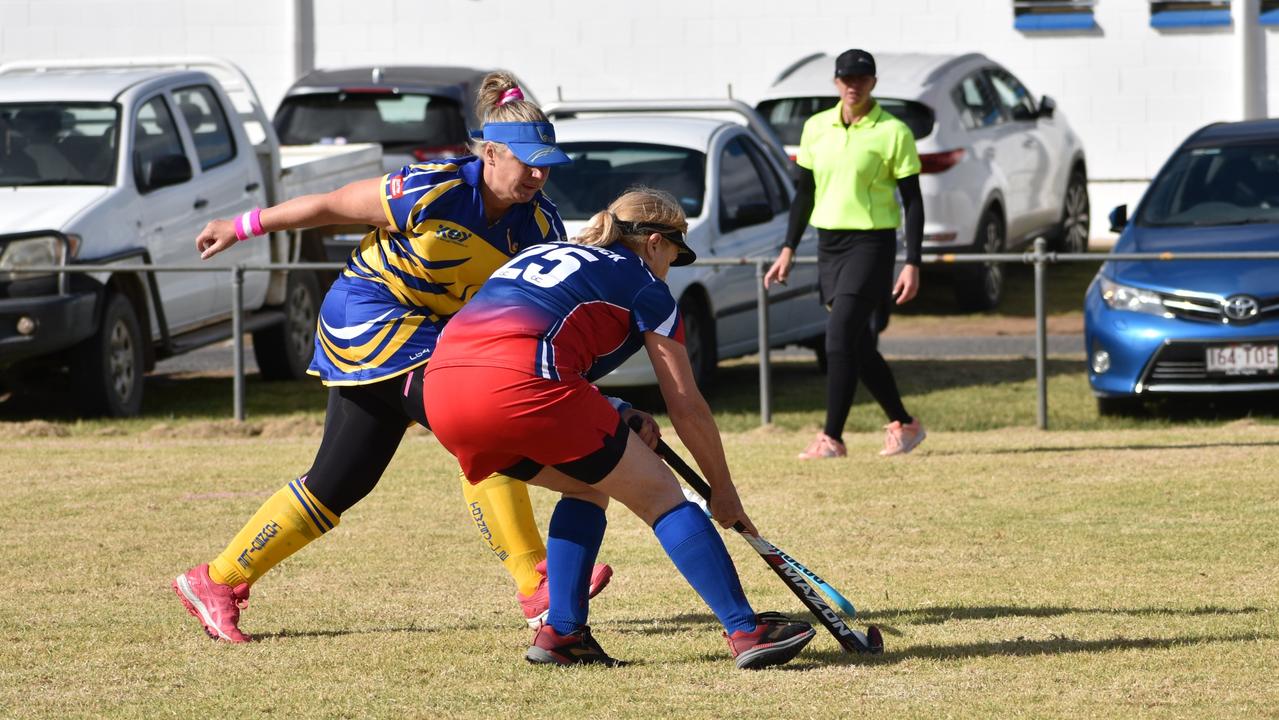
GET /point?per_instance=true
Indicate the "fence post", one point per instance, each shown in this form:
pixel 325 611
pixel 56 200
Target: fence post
pixel 765 364
pixel 1041 334
pixel 237 341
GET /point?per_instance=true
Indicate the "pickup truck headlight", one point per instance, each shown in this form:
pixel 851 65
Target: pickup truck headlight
pixel 34 251
pixel 1123 297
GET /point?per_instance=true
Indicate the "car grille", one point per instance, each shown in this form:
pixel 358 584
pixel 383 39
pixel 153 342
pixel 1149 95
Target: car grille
pixel 1214 310
pixel 1185 363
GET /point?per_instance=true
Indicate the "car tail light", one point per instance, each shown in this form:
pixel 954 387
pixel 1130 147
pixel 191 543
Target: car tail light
pixel 792 157
pixel 939 162
pixel 428 152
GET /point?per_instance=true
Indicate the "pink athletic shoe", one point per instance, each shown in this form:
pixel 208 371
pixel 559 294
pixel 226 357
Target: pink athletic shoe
pixel 538 604
pixel 216 606
pixel 900 439
pixel 823 446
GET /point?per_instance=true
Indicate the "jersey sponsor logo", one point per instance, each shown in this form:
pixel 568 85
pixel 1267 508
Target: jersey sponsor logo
pixel 451 233
pixel 397 187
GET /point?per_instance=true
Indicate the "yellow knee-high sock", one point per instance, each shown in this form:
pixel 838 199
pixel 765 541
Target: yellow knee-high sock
pixel 501 510
pixel 285 523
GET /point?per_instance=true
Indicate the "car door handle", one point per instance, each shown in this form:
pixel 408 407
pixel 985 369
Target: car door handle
pixel 200 203
pixel 251 187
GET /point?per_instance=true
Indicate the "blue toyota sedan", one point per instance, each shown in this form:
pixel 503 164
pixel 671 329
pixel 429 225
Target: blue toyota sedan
pixel 1159 328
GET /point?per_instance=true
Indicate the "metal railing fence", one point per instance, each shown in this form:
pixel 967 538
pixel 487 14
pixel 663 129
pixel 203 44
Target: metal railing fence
pixel 1038 255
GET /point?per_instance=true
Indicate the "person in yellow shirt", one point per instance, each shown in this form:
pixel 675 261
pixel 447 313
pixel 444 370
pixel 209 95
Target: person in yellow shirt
pixel 852 159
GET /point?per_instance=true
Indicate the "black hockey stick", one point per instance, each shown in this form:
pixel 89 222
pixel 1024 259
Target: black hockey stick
pixel 850 640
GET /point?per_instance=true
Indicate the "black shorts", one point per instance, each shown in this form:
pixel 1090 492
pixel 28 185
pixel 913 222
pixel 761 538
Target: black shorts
pixel 590 469
pixel 856 262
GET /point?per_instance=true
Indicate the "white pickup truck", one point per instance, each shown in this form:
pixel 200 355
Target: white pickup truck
pixel 124 162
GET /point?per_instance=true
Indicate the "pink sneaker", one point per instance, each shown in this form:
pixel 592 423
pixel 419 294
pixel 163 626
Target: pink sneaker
pixel 538 604
pixel 216 606
pixel 823 446
pixel 900 439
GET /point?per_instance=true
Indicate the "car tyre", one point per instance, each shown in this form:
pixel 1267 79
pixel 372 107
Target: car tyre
pixel 699 339
pixel 107 368
pixel 980 286
pixel 1072 233
pixel 284 351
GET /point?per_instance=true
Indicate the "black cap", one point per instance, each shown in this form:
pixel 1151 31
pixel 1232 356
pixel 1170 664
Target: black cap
pixel 854 62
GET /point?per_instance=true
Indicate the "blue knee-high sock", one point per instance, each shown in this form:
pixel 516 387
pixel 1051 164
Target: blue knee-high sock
pixel 698 551
pixel 572 543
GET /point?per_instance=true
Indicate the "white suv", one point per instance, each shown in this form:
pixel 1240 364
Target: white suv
pixel 999 168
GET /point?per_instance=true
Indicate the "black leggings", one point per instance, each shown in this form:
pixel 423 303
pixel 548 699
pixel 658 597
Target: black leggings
pixel 852 350
pixel 363 426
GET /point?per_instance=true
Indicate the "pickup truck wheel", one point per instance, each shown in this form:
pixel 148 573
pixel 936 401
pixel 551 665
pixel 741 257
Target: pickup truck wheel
pixel 284 351
pixel 107 368
pixel 979 286
pixel 699 339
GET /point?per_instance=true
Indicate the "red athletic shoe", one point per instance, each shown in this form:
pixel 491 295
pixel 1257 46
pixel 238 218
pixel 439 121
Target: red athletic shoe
pixel 536 605
pixel 774 641
pixel 216 606
pixel 576 648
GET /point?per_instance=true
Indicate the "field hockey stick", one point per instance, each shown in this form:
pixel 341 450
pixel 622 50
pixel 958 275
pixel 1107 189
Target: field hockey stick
pixel 827 589
pixel 850 640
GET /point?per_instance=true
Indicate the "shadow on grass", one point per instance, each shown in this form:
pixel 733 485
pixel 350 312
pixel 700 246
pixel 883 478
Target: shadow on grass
pixel 1095 448
pixel 388 630
pixel 1018 647
pixel 946 613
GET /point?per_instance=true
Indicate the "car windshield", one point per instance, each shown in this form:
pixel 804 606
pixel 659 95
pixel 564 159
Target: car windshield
pixel 1229 185
pixel 399 121
pixel 58 143
pixel 601 171
pixel 788 115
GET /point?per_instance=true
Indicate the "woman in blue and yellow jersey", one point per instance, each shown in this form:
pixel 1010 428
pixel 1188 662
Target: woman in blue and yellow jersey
pixel 441 229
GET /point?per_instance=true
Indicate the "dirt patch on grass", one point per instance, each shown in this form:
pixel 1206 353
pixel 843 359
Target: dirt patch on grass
pixel 36 429
pixel 912 326
pixel 284 427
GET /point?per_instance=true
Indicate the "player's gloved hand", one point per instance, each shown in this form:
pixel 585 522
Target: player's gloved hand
pixel 648 430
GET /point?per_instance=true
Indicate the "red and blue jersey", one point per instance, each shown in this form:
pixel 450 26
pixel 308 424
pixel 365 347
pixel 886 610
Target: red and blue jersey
pixel 383 315
pixel 560 310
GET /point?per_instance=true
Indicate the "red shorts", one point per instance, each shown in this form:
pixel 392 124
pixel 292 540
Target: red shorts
pixel 492 419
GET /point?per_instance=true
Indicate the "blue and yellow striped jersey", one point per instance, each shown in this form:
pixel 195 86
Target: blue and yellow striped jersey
pixel 383 315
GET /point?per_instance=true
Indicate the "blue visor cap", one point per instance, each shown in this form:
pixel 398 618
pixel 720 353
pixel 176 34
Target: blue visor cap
pixel 532 142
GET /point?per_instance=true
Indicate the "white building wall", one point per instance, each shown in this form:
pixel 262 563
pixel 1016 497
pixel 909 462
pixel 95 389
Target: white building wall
pixel 1130 91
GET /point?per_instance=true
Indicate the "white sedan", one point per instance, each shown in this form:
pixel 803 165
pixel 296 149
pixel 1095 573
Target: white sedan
pixel 733 185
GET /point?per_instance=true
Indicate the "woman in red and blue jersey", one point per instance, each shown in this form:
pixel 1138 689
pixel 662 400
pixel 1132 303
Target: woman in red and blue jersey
pixel 440 229
pixel 508 390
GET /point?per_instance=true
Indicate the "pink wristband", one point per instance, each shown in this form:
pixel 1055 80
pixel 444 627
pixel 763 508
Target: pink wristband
pixel 248 225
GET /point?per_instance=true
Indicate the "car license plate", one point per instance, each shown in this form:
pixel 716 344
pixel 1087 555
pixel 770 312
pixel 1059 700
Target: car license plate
pixel 1243 359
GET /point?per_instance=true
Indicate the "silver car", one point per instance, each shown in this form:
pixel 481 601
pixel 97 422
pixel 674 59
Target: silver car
pixel 999 167
pixel 732 182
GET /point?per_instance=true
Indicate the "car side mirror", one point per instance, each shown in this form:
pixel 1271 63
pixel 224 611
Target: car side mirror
pixel 161 172
pixel 1047 106
pixel 749 214
pixel 1118 218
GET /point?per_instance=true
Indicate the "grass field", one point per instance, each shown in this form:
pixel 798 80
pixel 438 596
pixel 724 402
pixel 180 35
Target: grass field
pixel 1117 573
pixel 1111 568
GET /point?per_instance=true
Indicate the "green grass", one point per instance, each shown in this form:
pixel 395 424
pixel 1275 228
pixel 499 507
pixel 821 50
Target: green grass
pixel 1126 573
